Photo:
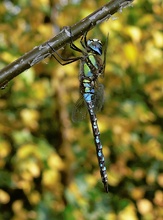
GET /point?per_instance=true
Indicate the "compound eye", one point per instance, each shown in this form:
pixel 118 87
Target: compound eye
pixel 95 45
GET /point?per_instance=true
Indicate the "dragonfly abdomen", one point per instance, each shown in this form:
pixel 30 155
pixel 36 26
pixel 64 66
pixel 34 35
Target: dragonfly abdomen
pixel 96 134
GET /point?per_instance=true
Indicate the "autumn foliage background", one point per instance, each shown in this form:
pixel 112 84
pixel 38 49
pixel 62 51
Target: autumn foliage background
pixel 48 164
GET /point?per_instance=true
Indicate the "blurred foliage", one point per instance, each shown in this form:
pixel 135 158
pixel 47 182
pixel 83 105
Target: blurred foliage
pixel 48 165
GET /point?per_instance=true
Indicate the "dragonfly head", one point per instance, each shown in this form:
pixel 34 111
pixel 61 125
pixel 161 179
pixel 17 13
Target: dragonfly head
pixel 95 46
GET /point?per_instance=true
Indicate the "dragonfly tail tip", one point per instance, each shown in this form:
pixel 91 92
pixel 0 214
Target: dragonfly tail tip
pixel 106 187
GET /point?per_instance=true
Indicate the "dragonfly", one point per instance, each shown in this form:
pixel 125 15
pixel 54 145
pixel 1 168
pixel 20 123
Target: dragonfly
pixel 91 99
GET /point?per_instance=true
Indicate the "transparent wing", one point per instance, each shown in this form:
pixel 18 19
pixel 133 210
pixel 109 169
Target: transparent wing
pixel 98 97
pixel 79 111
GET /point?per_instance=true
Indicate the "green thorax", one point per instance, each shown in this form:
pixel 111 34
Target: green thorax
pixel 87 70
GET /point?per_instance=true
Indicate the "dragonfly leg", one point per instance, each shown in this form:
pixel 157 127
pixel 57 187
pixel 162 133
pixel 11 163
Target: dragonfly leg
pixel 73 46
pixel 83 40
pixel 67 60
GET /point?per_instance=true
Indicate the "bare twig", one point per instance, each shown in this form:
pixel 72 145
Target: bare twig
pixel 41 52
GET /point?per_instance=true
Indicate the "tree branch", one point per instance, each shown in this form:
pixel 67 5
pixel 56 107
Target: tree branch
pixel 41 52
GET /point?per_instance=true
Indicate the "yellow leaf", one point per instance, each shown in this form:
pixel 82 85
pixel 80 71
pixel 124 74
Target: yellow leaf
pixel 135 33
pixel 158 39
pixel 144 206
pixel 5 149
pixel 55 162
pixel 131 52
pixel 30 117
pixel 4 197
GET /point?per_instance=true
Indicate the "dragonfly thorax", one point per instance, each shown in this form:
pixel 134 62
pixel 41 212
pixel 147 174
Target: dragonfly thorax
pixel 95 46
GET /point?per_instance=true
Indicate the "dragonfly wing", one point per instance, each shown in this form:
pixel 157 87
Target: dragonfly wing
pixel 79 111
pixel 98 98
